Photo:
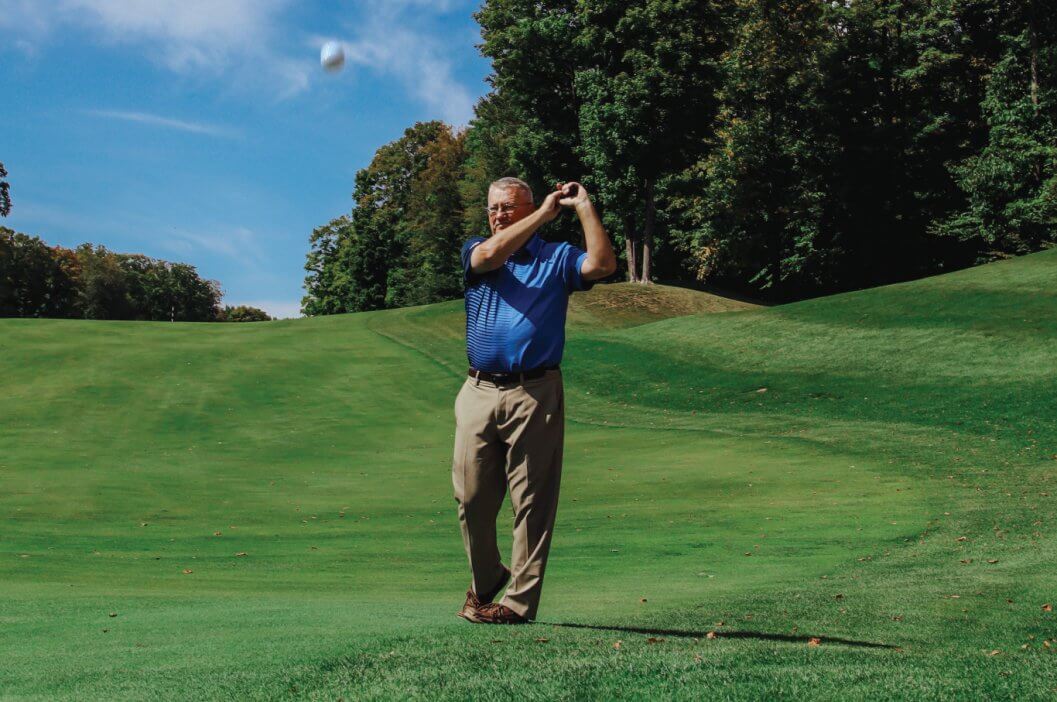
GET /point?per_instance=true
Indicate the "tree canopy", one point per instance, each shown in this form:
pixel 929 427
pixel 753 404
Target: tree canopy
pixel 777 148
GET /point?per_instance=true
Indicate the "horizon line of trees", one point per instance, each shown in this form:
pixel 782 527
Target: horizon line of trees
pixel 92 282
pixel 781 149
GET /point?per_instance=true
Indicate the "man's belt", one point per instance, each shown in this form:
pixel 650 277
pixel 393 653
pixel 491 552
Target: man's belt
pixel 510 378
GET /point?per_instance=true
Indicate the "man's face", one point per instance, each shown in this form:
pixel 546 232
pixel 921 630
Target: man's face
pixel 506 207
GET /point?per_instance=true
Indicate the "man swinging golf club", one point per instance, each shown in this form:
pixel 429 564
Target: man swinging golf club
pixel 510 412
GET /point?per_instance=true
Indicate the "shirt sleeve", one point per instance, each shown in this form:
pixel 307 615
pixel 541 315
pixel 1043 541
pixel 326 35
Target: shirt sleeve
pixel 572 258
pixel 467 249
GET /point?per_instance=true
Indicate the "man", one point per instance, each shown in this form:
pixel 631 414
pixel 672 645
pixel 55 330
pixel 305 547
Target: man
pixel 510 412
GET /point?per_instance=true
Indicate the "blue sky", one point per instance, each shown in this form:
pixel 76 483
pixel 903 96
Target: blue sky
pixel 205 131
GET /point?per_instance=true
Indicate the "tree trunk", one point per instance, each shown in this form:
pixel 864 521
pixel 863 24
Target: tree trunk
pixel 631 244
pixel 1034 43
pixel 647 233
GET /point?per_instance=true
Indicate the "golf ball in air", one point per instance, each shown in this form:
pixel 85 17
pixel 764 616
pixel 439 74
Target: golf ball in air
pixel 332 56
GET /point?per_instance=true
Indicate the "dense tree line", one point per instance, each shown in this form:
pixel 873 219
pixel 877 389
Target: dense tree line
pixel 782 148
pixel 91 282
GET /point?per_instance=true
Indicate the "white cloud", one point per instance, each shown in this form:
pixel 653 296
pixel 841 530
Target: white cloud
pixel 166 122
pixel 248 41
pixel 389 43
pixel 184 36
pixel 239 244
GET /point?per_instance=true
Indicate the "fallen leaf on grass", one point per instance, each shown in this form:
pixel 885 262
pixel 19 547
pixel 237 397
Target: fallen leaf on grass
pixel 814 641
pixel 963 538
pixel 996 652
pixel 654 640
pixel 697 658
pixel 240 553
pixel 992 561
pixel 967 561
pixel 617 645
pixel 1047 608
pixel 710 635
pixel 187 571
pixel 542 640
pixel 216 533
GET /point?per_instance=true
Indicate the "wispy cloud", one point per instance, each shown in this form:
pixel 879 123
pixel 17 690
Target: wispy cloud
pixel 218 37
pixel 239 244
pixel 389 42
pixel 166 122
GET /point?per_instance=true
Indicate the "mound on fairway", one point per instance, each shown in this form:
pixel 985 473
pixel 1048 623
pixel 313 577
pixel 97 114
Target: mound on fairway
pixel 851 497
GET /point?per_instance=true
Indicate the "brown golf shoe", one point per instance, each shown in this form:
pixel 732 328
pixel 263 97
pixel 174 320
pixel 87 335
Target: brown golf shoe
pixel 473 602
pixel 496 613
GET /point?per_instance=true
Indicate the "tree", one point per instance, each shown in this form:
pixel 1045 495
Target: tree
pixel 535 56
pixel 242 313
pixel 646 104
pixel 5 193
pixel 1011 184
pixel 433 270
pixel 401 244
pixel 327 282
pixel 34 282
pixel 532 45
pixel 758 216
pixel 102 288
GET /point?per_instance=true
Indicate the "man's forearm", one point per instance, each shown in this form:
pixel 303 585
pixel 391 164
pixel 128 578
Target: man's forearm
pixel 495 250
pixel 599 249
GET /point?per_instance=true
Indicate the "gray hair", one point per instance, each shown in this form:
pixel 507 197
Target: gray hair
pixel 510 182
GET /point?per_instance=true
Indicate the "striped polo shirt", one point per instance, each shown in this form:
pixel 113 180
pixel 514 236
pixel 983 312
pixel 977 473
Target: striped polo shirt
pixel 515 315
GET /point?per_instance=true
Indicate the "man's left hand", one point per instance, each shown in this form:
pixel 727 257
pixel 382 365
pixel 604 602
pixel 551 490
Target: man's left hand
pixel 570 200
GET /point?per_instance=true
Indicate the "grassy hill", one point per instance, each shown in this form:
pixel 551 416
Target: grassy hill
pixel 873 470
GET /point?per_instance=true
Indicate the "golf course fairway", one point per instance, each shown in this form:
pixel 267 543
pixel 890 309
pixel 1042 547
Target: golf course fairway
pixel 852 497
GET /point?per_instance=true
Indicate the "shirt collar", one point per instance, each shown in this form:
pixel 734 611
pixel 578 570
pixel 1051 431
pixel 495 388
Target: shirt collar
pixel 530 247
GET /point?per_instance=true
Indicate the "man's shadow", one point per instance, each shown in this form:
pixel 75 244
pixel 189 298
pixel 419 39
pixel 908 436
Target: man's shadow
pixel 760 635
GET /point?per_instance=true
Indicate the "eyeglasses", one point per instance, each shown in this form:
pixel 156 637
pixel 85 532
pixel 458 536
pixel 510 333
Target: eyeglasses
pixel 505 208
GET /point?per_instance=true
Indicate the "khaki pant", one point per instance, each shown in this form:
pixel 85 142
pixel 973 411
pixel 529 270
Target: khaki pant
pixel 509 437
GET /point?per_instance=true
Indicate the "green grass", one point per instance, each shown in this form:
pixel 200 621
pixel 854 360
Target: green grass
pixel 907 436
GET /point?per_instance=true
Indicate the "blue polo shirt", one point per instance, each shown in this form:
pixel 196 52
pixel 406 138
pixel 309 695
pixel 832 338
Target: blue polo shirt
pixel 515 315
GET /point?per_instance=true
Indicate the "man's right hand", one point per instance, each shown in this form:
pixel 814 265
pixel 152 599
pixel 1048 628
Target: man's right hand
pixel 551 207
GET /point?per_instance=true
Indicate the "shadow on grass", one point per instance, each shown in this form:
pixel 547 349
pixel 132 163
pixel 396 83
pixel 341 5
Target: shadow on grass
pixel 760 635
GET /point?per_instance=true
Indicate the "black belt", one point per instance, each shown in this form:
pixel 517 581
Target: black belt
pixel 508 378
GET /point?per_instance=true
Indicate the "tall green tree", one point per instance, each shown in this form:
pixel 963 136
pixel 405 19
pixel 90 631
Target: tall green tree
pixel 903 87
pixel 401 244
pixel 535 57
pixel 1011 184
pixel 646 104
pixel 378 251
pixel 758 217
pixel 327 282
pixel 433 271
pixel 5 192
